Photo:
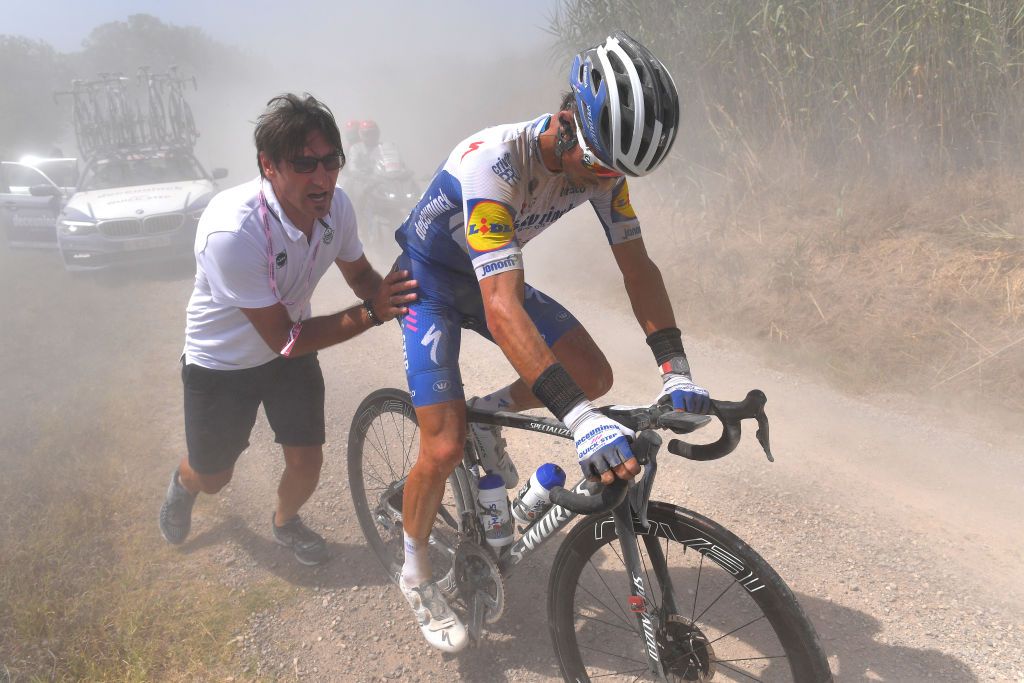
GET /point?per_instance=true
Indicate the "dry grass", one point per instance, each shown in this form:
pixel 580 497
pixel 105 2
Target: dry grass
pixel 88 589
pixel 89 592
pixel 904 287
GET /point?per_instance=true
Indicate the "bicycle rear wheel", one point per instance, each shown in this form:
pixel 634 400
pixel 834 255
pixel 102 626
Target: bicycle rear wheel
pixel 725 614
pixel 383 444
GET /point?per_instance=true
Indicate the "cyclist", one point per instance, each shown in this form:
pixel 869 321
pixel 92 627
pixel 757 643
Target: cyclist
pixel 261 248
pixel 366 151
pixel 497 190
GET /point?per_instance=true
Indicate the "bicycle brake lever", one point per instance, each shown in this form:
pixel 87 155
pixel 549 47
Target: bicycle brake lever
pixel 645 449
pixel 762 432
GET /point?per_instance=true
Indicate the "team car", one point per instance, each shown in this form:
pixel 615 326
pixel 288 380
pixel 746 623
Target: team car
pixel 31 191
pixel 133 207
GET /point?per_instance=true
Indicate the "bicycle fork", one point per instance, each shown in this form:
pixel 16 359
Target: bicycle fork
pixel 643 608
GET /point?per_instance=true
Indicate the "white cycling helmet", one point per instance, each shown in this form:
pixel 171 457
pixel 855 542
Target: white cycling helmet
pixel 627 103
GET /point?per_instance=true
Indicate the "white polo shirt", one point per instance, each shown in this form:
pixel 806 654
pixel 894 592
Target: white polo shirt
pixel 233 271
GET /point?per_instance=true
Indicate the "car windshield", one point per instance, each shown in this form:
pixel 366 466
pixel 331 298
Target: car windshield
pixel 113 173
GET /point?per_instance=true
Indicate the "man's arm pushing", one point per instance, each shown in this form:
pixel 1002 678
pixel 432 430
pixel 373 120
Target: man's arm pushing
pixel 389 297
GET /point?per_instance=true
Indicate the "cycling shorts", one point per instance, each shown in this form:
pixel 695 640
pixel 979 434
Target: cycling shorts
pixel 432 329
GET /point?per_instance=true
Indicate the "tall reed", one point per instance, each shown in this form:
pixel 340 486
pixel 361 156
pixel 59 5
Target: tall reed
pixel 874 86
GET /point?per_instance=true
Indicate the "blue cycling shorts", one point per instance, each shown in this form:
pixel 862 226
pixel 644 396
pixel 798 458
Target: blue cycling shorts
pixel 432 329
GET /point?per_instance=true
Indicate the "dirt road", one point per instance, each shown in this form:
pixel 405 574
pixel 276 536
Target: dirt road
pixel 898 527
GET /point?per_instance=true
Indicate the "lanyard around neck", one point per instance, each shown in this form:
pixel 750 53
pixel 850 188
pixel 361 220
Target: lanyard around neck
pixel 307 290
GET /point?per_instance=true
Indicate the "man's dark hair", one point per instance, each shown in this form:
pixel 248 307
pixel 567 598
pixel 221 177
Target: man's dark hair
pixel 282 129
pixel 568 101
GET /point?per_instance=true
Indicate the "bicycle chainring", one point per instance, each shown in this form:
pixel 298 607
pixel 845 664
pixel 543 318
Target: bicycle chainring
pixel 476 582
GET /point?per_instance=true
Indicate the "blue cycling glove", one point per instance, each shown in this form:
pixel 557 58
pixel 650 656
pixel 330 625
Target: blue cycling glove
pixel 678 385
pixel 601 443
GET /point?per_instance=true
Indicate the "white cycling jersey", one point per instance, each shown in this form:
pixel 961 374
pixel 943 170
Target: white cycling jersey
pixel 493 195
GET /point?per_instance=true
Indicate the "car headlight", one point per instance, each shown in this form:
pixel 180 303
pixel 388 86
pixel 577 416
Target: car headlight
pixel 391 195
pixel 75 228
pixel 195 214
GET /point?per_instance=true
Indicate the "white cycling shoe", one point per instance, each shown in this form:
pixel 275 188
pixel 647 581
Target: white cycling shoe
pixel 492 449
pixel 438 623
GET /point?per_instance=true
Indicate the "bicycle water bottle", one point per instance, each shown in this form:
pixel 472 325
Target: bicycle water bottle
pixel 494 514
pixel 533 500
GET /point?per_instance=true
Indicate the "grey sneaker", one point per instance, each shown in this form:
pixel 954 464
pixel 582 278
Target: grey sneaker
pixel 309 547
pixel 492 449
pixel 438 623
pixel 176 512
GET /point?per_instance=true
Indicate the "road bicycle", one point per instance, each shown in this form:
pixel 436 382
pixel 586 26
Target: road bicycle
pixel 639 589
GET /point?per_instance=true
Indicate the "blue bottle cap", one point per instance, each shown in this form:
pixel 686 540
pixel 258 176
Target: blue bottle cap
pixel 550 475
pixel 492 481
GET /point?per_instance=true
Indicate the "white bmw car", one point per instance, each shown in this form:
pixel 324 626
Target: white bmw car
pixel 134 207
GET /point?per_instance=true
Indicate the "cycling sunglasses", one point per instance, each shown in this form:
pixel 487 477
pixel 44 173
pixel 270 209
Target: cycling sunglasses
pixel 590 160
pixel 331 162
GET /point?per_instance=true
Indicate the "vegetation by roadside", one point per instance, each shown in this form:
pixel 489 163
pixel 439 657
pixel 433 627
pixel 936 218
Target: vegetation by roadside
pixel 911 286
pixel 89 591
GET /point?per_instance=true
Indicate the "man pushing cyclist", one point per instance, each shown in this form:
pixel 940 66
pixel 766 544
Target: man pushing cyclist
pixel 497 190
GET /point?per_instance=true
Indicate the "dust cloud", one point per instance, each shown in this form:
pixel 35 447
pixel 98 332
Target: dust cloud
pixel 90 408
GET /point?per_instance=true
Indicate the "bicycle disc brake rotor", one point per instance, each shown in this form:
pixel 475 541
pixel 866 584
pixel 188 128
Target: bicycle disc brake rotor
pixel 687 652
pixel 478 581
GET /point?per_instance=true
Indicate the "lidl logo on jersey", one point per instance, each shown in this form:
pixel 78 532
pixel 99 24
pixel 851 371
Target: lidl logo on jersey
pixel 490 225
pixel 622 210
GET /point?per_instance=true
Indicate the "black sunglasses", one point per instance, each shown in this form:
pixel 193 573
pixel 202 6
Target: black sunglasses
pixel 331 162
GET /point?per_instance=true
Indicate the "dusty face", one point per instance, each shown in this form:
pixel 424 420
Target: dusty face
pixel 580 164
pixel 305 197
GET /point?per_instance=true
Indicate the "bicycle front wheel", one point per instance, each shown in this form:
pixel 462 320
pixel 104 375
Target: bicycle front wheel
pixel 383 444
pixel 724 613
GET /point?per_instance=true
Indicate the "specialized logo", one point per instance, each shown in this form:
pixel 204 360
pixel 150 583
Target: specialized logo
pixel 472 148
pixel 490 225
pixel 328 235
pixel 622 210
pixel 281 259
pixel 432 338
pixel 504 170
pixel 650 637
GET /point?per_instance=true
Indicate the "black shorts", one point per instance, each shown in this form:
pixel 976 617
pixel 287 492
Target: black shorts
pixel 221 405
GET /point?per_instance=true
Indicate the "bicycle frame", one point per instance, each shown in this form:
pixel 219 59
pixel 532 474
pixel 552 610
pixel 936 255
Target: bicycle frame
pixel 554 520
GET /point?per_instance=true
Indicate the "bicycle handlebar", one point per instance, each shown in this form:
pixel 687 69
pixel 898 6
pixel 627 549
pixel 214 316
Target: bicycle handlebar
pixel 730 413
pixel 647 442
pixel 607 497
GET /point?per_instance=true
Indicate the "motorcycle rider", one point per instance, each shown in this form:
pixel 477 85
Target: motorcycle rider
pixel 497 190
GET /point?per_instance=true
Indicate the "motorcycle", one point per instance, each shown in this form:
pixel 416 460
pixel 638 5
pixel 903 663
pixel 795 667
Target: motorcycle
pixel 384 198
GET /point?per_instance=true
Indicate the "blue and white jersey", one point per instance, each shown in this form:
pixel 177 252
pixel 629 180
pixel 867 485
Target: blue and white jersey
pixel 493 195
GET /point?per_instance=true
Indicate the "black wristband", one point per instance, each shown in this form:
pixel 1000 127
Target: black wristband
pixel 666 344
pixel 557 390
pixel 368 305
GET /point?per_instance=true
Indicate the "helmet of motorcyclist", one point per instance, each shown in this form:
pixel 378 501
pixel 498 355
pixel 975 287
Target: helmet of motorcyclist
pixel 369 133
pixel 350 132
pixel 627 104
